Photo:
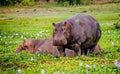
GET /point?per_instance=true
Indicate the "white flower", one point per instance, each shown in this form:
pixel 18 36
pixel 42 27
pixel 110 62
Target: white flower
pixel 106 58
pixel 6 42
pixel 63 72
pixel 42 71
pixel 22 37
pixel 25 38
pixel 113 43
pixel 35 37
pixel 4 37
pixel 19 71
pixel 102 64
pixel 32 59
pixel 117 64
pixel 88 66
pixel 108 31
pixel 80 63
pixel 17 34
pixel 10 37
pixel 56 72
pixel 87 72
pixel 70 72
pixel 46 30
pixel 94 65
pixel 40 35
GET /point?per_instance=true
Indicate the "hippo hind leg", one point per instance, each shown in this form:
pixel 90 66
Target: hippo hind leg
pixel 92 49
pixel 85 51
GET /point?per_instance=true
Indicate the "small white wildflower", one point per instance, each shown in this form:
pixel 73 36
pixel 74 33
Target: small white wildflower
pixel 106 58
pixel 108 31
pixel 102 64
pixel 19 71
pixel 11 37
pixel 80 63
pixel 87 72
pixel 40 35
pixel 6 42
pixel 31 36
pixel 4 37
pixel 42 71
pixel 43 31
pixel 56 72
pixel 94 65
pixel 25 38
pixel 88 66
pixel 116 63
pixel 63 72
pixel 32 59
pixel 70 72
pixel 35 37
pixel 27 33
pixel 4 32
pixel 22 37
pixel 40 32
pixel 16 34
pixel 112 43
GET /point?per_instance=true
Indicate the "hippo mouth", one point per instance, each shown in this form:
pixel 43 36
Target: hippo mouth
pixel 59 43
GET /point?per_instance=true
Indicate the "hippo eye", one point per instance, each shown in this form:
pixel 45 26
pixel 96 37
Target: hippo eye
pixel 62 29
pixel 55 30
pixel 25 46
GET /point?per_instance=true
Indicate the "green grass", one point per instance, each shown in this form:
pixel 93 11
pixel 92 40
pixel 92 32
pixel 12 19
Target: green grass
pixel 27 23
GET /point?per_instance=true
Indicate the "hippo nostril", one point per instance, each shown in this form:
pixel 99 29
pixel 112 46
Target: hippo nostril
pixel 60 41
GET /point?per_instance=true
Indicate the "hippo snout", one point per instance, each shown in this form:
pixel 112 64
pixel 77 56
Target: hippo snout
pixel 58 42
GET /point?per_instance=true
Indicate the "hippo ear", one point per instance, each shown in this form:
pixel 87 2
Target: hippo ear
pixel 65 23
pixel 53 24
pixel 24 42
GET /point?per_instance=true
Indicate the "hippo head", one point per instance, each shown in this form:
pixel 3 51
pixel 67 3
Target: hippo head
pixel 61 33
pixel 27 45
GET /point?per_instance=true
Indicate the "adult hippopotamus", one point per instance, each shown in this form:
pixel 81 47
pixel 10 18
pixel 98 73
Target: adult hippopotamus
pixel 80 33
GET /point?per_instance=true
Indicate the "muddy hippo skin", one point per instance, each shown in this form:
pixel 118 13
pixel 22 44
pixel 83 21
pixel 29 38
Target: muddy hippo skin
pixel 30 45
pixel 48 48
pixel 80 33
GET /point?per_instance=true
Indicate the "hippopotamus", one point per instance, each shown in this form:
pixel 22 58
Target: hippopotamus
pixel 80 33
pixel 30 45
pixel 45 46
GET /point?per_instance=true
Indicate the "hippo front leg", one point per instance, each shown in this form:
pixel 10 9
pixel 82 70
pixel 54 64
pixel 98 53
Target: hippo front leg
pixel 77 49
pixel 61 50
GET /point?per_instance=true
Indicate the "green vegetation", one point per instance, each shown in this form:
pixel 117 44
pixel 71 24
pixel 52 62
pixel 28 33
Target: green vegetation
pixel 35 22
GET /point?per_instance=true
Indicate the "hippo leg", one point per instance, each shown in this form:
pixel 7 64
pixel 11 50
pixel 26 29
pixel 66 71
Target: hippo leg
pixel 85 51
pixel 88 52
pixel 92 49
pixel 61 50
pixel 77 49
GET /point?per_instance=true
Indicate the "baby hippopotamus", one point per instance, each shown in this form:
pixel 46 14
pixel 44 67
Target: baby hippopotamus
pixel 33 46
pixel 45 46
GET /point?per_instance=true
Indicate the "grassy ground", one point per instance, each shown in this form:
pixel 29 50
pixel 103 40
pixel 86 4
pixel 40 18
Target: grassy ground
pixel 35 22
